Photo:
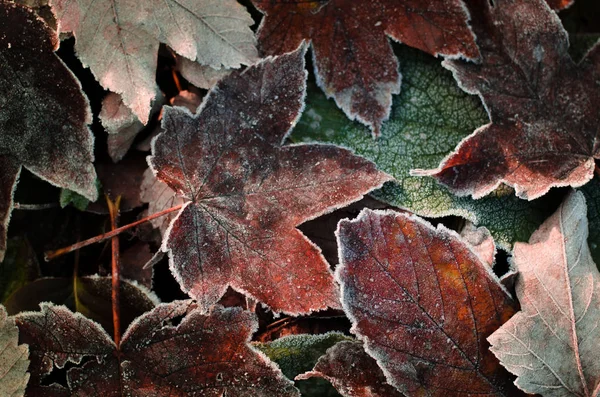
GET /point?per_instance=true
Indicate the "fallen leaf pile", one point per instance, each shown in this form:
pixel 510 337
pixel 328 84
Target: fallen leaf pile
pixel 318 198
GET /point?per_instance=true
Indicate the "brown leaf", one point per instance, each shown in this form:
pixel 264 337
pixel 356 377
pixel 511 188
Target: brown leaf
pixel 354 62
pixel 207 355
pixel 247 193
pixel 352 371
pixel 542 106
pixel 43 113
pixel 424 304
pixel 552 344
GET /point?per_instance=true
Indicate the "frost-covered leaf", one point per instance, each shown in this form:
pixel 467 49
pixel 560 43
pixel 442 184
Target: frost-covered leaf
pixel 552 344
pixel 352 371
pixel 118 39
pixel 204 354
pixel 429 118
pixel 296 354
pixel 201 76
pixel 13 358
pixel 591 192
pixel 20 266
pixel 43 113
pixel 353 59
pixel 481 242
pixel 121 124
pixel 159 196
pixel 423 303
pixel 542 105
pixel 90 296
pixel 247 192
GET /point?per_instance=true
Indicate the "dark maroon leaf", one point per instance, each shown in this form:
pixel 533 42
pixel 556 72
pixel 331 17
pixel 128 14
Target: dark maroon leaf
pixel 543 107
pixel 423 303
pixel 352 371
pixel 247 193
pixel 354 62
pixel 43 113
pixel 205 354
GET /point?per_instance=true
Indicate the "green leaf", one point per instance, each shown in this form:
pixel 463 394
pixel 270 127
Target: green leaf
pixel 591 191
pixel 20 266
pixel 296 354
pixel 429 118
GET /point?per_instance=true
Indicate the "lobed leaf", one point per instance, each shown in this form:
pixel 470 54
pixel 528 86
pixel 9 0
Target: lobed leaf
pixel 13 358
pixel 353 59
pixel 542 105
pixel 246 192
pixel 119 39
pixel 204 354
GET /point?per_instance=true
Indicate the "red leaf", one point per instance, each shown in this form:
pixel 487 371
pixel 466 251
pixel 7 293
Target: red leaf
pixel 208 355
pixel 354 62
pixel 247 192
pixel 542 106
pixel 552 344
pixel 352 371
pixel 43 113
pixel 424 304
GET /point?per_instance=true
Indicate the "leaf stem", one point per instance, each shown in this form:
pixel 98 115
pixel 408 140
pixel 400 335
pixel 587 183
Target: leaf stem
pixel 34 207
pixel 49 255
pixel 113 209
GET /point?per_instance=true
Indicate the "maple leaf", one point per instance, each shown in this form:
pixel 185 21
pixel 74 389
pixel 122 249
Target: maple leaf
pixel 43 113
pixel 542 105
pixel 552 343
pixel 208 355
pixel 118 39
pixel 247 193
pixel 352 371
pixel 423 304
pixel 428 119
pixel 354 62
pixel 13 358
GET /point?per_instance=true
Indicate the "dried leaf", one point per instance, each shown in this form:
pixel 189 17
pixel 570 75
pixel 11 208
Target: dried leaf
pixel 118 39
pixel 552 344
pixel 352 371
pixel 201 76
pixel 481 242
pixel 121 125
pixel 353 59
pixel 542 105
pixel 13 358
pixel 43 113
pixel 247 193
pixel 207 355
pixel 423 303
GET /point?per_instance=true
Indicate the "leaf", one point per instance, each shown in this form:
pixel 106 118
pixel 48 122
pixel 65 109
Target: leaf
pixel 13 358
pixel 423 304
pixel 20 266
pixel 352 371
pixel 552 343
pixel 159 197
pixel 90 296
pixel 296 354
pixel 481 242
pixel 429 118
pixel 542 106
pixel 353 59
pixel 591 191
pixel 118 40
pixel 43 113
pixel 121 125
pixel 199 75
pixel 206 355
pixel 560 4
pixel 246 193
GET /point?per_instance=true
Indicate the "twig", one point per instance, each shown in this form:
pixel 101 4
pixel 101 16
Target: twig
pixel 49 255
pixel 34 207
pixel 113 209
